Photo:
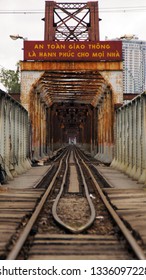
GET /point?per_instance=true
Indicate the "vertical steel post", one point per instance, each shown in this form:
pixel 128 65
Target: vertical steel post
pixel 93 30
pixel 49 21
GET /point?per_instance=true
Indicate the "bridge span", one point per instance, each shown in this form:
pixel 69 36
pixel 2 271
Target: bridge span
pixel 68 100
pixel 71 82
pixel 71 89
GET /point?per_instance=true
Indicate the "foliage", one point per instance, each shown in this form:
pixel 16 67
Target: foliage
pixel 10 79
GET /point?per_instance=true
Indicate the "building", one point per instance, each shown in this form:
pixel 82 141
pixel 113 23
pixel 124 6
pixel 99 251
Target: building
pixel 134 65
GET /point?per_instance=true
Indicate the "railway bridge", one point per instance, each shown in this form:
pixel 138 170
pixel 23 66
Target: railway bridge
pixel 71 82
pixel 71 89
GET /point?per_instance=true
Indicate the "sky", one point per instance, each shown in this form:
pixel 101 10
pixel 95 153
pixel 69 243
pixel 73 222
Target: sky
pixel 118 18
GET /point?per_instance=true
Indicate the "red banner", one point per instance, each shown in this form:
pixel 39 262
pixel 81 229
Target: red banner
pixel 73 51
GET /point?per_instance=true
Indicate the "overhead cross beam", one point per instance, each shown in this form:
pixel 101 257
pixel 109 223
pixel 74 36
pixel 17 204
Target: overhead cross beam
pixel 66 86
pixel 71 21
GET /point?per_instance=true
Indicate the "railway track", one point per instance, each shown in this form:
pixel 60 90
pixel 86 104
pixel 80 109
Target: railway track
pixel 73 218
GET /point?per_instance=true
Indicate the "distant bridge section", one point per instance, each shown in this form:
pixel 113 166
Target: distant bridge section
pixel 14 142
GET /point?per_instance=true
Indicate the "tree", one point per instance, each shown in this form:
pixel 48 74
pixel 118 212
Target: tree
pixel 10 79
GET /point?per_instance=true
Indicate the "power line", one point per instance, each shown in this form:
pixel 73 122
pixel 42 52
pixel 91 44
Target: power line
pixel 127 7
pixel 103 10
pixel 7 12
pixel 124 9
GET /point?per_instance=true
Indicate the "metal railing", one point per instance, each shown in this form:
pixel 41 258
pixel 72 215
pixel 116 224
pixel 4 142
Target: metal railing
pixel 130 139
pixel 14 136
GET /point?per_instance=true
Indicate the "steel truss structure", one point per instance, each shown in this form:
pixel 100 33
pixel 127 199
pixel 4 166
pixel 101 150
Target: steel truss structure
pixel 71 21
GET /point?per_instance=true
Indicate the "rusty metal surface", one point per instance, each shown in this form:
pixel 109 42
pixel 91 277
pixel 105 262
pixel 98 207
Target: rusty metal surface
pixel 105 133
pixel 71 66
pixel 81 81
pixel 76 87
pixel 68 99
pixel 71 21
pixel 79 87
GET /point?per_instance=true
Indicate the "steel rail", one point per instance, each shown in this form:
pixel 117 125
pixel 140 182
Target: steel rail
pixel 55 204
pixel 21 240
pixel 92 208
pixel 129 237
pixel 63 151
